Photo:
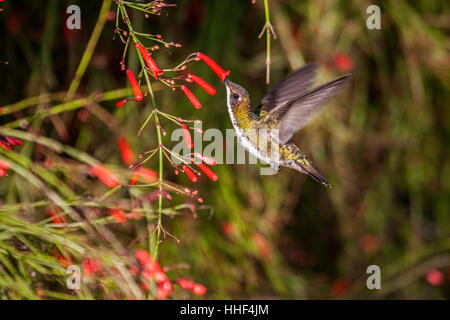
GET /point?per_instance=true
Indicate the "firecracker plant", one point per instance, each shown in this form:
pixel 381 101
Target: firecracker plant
pixel 69 219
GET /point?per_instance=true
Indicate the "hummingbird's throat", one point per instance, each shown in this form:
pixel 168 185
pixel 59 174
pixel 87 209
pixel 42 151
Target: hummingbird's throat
pixel 239 113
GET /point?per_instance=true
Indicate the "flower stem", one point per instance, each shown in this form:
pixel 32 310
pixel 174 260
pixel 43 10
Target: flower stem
pixel 158 132
pixel 268 28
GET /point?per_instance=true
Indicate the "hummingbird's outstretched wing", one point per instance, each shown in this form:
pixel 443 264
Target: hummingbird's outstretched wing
pixel 292 115
pixel 294 85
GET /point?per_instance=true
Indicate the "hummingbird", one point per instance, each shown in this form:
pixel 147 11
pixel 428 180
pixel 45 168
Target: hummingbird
pixel 266 131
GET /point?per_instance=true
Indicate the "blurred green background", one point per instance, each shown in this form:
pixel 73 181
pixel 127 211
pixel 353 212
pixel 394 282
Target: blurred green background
pixel 382 144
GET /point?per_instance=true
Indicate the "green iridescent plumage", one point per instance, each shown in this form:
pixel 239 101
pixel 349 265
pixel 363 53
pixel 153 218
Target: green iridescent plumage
pixel 266 131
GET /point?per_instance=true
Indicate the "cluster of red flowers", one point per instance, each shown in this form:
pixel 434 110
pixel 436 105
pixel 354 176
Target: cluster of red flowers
pixel 222 74
pixel 157 72
pixel 128 158
pixel 210 161
pixel 8 143
pixel 110 180
pixel 206 170
pixel 190 285
pixel 152 270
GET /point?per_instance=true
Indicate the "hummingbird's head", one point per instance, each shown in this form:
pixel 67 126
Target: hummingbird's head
pixel 237 96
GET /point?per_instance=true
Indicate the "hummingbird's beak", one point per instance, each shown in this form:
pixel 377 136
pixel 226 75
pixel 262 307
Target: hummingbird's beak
pixel 227 82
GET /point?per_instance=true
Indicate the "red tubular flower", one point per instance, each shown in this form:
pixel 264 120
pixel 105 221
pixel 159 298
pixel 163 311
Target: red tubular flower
pixel 149 61
pixel 152 269
pixel 147 174
pixel 19 142
pixel 202 83
pixel 435 277
pixel 91 266
pixel 62 260
pixel 193 99
pixel 185 284
pixel 5 146
pixel 125 150
pixel 199 289
pixel 191 286
pixel 4 164
pixel 187 136
pixel 3 173
pixel 165 288
pixel 343 62
pixel 56 218
pixel 205 159
pixel 105 176
pixel 121 103
pixel 8 143
pixel 144 258
pixel 13 141
pixel 135 86
pixel 214 66
pixel 134 178
pixel 190 174
pixel 208 172
pixel 118 215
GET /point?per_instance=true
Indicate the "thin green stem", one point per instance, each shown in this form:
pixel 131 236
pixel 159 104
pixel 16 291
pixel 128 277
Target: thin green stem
pixel 158 131
pixel 268 28
pixel 64 107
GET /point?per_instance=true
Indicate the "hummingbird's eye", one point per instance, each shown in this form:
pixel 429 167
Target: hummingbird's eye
pixel 236 96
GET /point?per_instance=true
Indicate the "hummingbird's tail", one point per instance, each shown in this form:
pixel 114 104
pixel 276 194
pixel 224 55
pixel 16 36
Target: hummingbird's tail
pixel 307 167
pixel 297 160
